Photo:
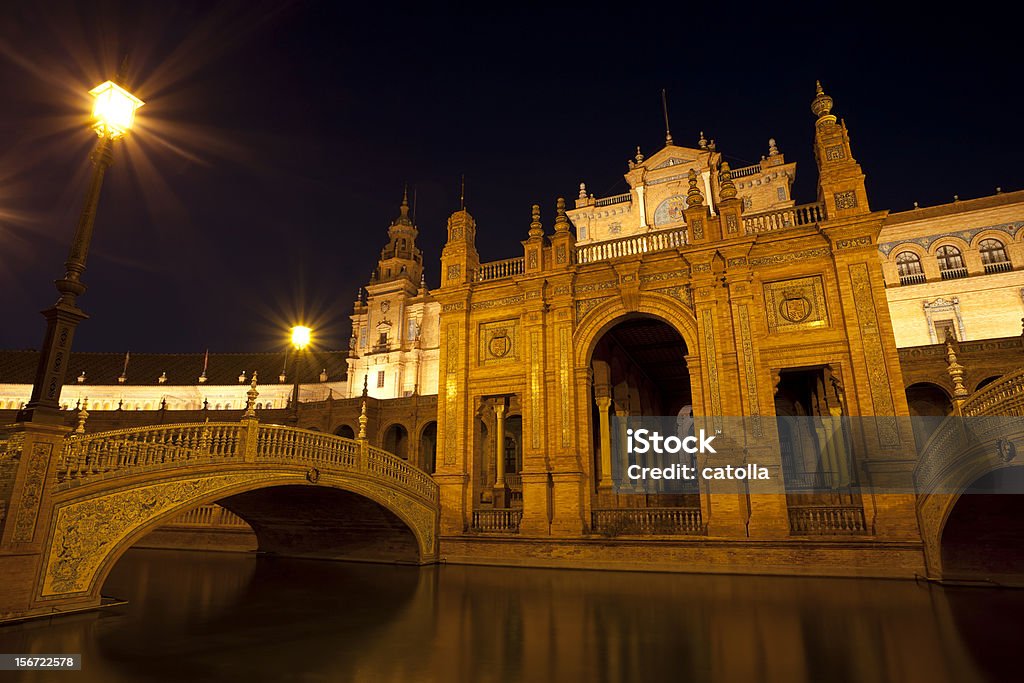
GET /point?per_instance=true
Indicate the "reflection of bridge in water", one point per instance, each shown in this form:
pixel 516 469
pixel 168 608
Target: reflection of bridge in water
pixel 304 493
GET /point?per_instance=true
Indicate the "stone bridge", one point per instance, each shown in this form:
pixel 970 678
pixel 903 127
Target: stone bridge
pixel 968 471
pixel 76 503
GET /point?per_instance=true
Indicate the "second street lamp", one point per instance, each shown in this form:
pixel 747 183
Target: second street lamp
pixel 113 117
pixel 301 336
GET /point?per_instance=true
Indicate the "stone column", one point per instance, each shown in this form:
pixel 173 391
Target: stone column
pixel 603 404
pixel 501 493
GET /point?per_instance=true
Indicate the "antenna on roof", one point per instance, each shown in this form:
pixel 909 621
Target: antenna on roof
pixel 414 205
pixel 462 194
pixel 664 109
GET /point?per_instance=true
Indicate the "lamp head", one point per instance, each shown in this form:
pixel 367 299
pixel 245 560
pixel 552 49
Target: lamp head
pixel 113 110
pixel 301 336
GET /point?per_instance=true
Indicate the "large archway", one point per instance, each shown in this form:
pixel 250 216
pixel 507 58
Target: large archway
pixel 640 369
pixel 983 537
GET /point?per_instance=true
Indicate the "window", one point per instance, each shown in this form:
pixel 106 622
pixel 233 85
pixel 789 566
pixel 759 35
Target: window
pixel 944 328
pixel 781 193
pixel 382 340
pixel 908 264
pixel 380 379
pixel 951 262
pixel 993 256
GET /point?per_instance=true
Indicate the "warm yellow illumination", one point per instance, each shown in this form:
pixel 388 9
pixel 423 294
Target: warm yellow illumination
pixel 301 336
pixel 114 110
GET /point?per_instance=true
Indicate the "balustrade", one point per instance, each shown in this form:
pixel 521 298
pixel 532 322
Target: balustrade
pixel 497 270
pixel 662 240
pixel 648 521
pixel 769 221
pixel 826 520
pixel 617 199
pixel 497 521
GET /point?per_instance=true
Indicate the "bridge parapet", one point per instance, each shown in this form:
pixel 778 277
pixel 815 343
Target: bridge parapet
pixel 123 451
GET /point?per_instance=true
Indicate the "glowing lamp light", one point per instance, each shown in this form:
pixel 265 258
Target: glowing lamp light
pixel 113 109
pixel 301 336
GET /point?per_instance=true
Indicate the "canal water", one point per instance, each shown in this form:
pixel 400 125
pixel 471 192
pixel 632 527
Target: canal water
pixel 229 617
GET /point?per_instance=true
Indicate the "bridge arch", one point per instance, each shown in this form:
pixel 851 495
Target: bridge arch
pixel 116 487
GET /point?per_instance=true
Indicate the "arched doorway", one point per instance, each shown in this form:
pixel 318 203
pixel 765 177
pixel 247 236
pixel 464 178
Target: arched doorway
pixel 396 441
pixel 983 538
pixel 428 448
pixel 640 370
pixel 345 431
pixel 929 405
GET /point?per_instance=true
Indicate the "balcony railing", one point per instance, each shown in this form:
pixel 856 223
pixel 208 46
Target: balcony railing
pixel 912 279
pixel 633 245
pixel 497 270
pixel 648 521
pixel 999 267
pixel 953 273
pixel 826 520
pixel 745 171
pixel 780 219
pixel 497 521
pixel 617 199
pixel 1005 396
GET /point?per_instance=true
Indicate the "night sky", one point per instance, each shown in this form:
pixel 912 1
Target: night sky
pixel 276 138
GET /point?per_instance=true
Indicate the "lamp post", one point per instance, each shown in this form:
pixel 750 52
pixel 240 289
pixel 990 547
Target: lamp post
pixel 301 336
pixel 113 115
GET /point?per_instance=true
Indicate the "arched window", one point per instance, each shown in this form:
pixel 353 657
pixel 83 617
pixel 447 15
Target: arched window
pixel 951 262
pixel 993 256
pixel 909 266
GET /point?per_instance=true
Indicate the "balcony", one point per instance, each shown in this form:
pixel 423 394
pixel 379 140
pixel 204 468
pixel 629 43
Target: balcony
pixel 953 273
pixel 912 279
pixel 498 270
pixel 684 521
pixel 794 216
pixel 617 199
pixel 826 520
pixel 497 521
pixel 633 245
pixel 998 267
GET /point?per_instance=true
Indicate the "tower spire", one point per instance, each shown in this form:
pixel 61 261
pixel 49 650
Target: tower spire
pixel 664 109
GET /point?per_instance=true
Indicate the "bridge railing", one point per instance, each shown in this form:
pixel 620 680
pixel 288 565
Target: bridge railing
pixel 85 456
pixel 1005 396
pixel 142 446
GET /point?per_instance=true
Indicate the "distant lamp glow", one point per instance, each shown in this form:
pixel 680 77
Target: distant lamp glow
pixel 301 336
pixel 113 110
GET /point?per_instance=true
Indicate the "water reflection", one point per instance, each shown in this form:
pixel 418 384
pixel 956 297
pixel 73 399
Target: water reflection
pixel 210 616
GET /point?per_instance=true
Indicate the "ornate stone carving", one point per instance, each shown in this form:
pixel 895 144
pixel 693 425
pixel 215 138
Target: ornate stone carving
pixel 776 259
pixel 863 240
pixel 835 153
pixel 595 286
pixel 711 359
pixel 736 261
pixel 584 306
pixel 498 341
pixel 560 254
pixel 731 224
pixel 874 356
pixel 32 493
pixel 845 200
pixel 451 400
pixel 507 301
pixel 750 374
pixel 670 275
pixel 85 532
pixel 454 271
pixel 680 293
pixel 698 229
pixel 564 380
pixel 536 389
pixel 457 306
pixel 795 304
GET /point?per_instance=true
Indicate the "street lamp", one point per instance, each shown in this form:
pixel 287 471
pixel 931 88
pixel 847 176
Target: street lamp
pixel 113 117
pixel 301 336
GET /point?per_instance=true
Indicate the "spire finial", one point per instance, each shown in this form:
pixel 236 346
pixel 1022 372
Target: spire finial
pixel 366 385
pixel 821 106
pixel 423 283
pixel 536 227
pixel 583 191
pixel 664 109
pixel 561 219
pixel 955 370
pixel 462 194
pixel 693 196
pixel 251 396
pixel 702 142
pixel 725 180
pixel 83 415
pixel 403 208
pixel 773 149
pixel 639 155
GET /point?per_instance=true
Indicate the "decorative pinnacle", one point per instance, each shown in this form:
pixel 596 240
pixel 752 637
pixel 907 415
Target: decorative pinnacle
pixel 773 149
pixel 536 228
pixel 362 421
pixel 252 395
pixel 822 105
pixel 639 155
pixel 725 180
pixel 561 219
pixel 583 191
pixel 83 415
pixel 702 143
pixel 366 386
pixel 403 209
pixel 955 370
pixel 693 196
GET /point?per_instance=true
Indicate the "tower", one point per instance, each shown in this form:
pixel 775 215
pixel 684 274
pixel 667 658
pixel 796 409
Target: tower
pixel 394 340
